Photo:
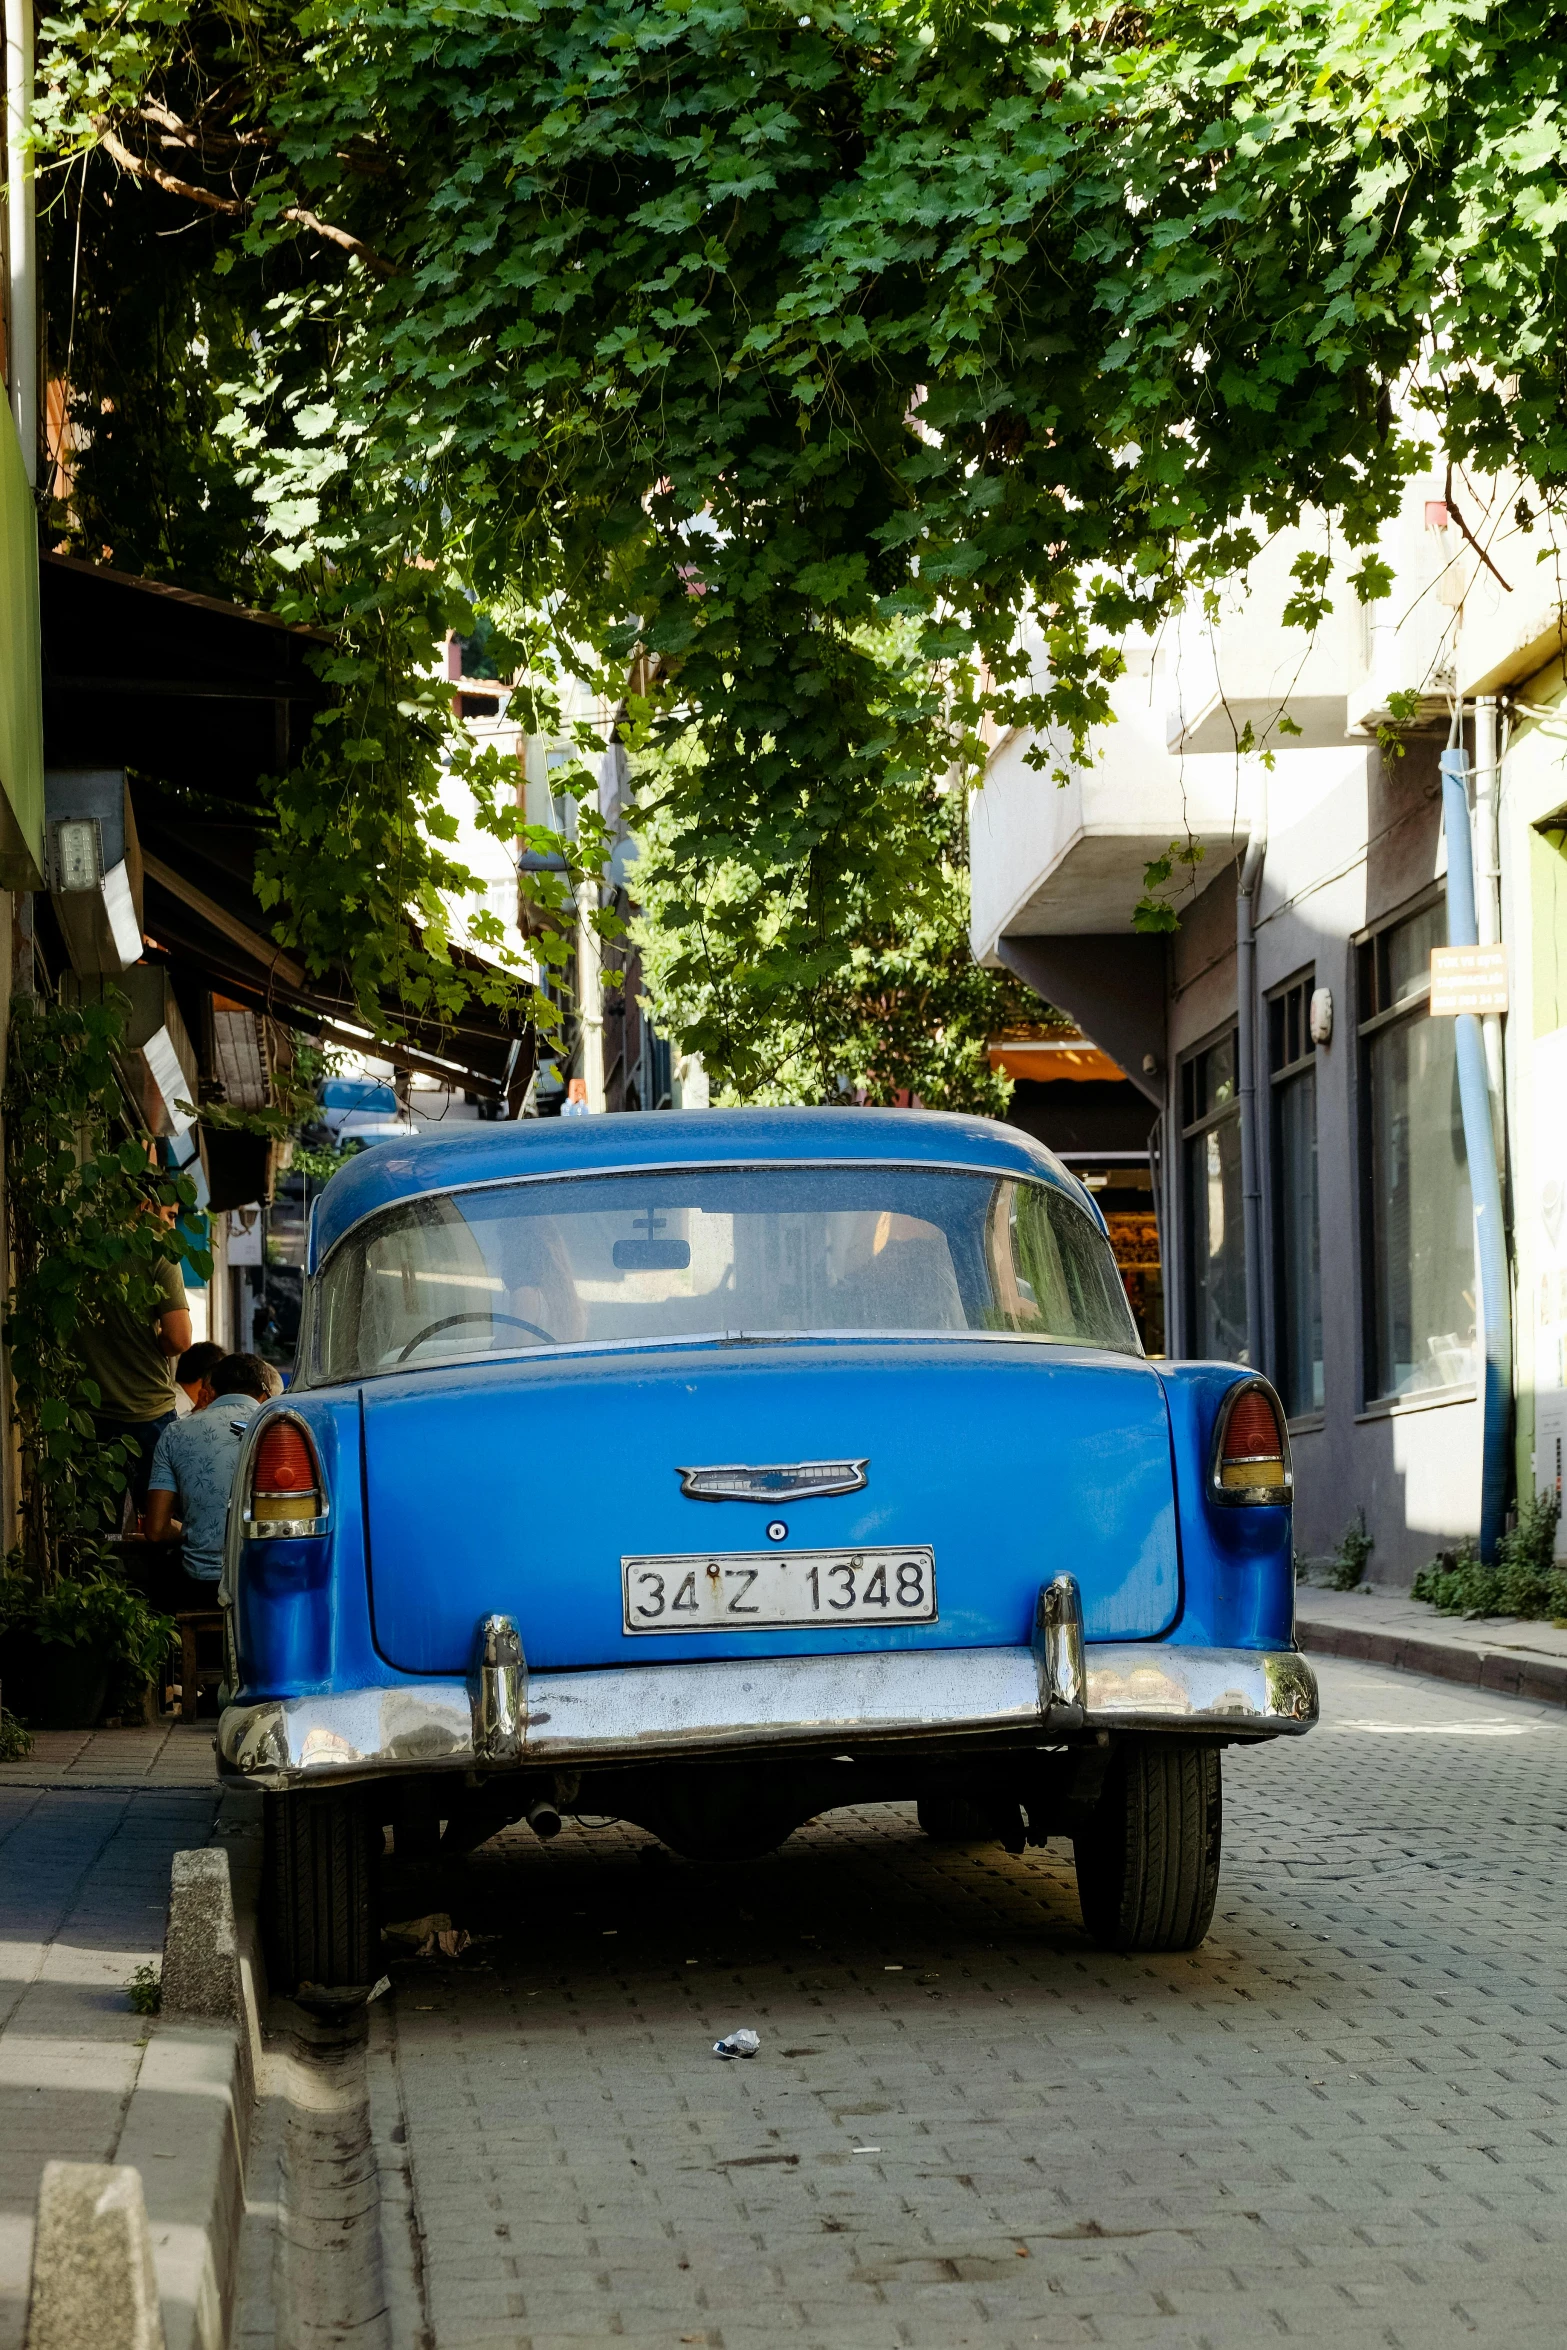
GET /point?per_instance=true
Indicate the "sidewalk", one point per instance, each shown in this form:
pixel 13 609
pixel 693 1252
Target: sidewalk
pixel 89 1823
pixel 1490 1652
pixel 174 1754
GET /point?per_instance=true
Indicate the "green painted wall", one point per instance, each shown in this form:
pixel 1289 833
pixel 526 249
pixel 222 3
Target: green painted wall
pixel 21 700
pixel 1548 921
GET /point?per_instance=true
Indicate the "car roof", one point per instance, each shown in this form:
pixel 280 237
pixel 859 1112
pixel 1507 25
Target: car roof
pixel 627 1140
pixel 357 1089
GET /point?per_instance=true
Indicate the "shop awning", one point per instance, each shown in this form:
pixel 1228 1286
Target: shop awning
pixel 199 700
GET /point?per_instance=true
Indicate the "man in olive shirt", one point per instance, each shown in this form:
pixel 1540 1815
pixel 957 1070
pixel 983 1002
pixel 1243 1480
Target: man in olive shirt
pixel 131 1353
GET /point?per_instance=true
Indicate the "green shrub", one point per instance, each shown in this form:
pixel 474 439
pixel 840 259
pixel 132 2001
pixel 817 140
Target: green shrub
pixel 1523 1580
pixel 103 1611
pixel 15 1742
pixel 1348 1570
pixel 1456 1584
pixel 145 1990
pixel 96 1609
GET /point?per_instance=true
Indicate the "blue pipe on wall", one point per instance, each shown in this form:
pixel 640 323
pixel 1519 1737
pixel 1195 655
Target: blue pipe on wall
pixel 1485 1185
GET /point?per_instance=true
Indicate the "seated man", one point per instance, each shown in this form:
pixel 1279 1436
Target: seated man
pixel 194 1467
pixel 193 1377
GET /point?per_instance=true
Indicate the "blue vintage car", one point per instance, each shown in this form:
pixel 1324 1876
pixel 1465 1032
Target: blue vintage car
pixel 713 1469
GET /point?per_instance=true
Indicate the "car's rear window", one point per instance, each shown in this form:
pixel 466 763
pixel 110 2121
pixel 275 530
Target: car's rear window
pixel 743 1251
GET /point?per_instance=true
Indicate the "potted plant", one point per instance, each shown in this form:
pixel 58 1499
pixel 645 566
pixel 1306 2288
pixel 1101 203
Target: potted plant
pixel 65 1651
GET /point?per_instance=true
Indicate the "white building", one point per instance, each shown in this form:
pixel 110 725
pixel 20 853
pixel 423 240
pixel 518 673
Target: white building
pixel 1358 1294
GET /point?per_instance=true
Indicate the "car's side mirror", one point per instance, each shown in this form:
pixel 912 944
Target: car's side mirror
pixel 652 1256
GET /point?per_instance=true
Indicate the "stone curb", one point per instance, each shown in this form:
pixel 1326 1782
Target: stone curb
pixel 93 2282
pixel 187 2129
pixel 1503 1671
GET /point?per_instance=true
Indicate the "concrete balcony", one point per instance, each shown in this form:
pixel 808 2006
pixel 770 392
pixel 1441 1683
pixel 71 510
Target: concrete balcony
pixel 1221 709
pixel 1055 860
pixel 1049 859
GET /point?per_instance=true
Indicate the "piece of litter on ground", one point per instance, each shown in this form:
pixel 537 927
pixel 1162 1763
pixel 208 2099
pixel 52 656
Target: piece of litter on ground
pixel 382 1983
pixel 693 1962
pixel 433 1936
pixel 609 1931
pixel 741 2043
pixel 416 1930
pixel 867 2150
pixel 892 1970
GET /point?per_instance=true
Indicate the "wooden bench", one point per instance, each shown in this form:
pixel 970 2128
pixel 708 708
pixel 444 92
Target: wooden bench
pixel 196 1625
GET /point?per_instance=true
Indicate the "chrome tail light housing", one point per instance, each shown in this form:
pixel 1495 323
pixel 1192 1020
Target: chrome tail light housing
pixel 1251 1450
pixel 285 1495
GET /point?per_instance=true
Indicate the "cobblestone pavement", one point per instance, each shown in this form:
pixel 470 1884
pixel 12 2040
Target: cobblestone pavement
pixel 84 1889
pixel 1341 2121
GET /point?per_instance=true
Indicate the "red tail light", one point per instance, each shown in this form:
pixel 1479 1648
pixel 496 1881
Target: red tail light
pixel 1253 1463
pixel 286 1494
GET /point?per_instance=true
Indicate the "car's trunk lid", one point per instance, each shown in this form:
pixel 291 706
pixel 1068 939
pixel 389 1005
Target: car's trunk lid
pixel 518 1489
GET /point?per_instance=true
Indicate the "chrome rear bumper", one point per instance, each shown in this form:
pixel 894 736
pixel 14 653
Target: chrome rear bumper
pixel 630 1714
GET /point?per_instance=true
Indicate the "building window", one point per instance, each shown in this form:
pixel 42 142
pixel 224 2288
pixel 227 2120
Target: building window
pixel 1421 1318
pixel 1292 1069
pixel 1211 1176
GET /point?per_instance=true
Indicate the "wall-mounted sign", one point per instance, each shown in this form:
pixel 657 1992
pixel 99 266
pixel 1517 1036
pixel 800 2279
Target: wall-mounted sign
pixel 245 1236
pixel 1468 979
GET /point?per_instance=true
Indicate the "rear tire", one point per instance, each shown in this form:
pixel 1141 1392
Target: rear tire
pixel 1148 1864
pixel 319 1919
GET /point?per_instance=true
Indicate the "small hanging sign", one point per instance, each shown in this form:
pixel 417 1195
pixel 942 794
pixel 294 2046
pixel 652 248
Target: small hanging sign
pixel 1468 979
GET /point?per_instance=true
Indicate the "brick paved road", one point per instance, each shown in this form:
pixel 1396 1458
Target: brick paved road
pixel 1340 2122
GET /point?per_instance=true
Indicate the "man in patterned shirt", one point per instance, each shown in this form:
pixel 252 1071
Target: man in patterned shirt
pixel 193 1469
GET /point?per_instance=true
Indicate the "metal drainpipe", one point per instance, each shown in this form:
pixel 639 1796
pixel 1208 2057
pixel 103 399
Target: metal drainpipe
pixel 1246 1071
pixel 590 988
pixel 1491 1276
pixel 21 234
pixel 1488 893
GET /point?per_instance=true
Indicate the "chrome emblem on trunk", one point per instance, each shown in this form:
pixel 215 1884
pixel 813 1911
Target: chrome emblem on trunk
pixel 781 1481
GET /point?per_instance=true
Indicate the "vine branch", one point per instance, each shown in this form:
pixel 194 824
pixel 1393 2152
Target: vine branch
pixel 239 207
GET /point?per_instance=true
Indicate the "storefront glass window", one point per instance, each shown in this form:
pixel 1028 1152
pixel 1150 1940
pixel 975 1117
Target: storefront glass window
pixel 1292 1067
pixel 1211 1170
pixel 1422 1317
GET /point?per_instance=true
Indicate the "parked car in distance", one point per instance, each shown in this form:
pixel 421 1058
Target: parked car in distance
pixel 363 1110
pixel 714 1469
pixel 363 1128
pixel 348 1097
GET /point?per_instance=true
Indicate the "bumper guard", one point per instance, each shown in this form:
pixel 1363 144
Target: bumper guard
pixel 505 1717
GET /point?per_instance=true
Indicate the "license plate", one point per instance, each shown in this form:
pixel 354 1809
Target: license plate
pixel 761 1591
